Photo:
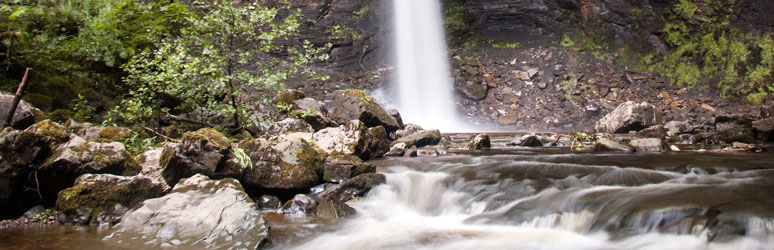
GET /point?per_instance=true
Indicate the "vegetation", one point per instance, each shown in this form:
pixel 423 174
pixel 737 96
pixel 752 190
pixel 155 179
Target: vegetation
pixel 707 49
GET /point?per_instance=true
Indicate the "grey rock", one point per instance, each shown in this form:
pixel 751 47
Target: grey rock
pixel 649 144
pixel 313 112
pixel 354 187
pixel 289 125
pixel 604 144
pixel 420 138
pixel 269 202
pixel 198 213
pixel 290 164
pixel 204 151
pixel 397 149
pixel 407 130
pixel 478 142
pixel 527 141
pixel 351 105
pixel 676 128
pixel 629 116
pixel 340 168
pixel 396 114
pixel 353 138
pixel 25 114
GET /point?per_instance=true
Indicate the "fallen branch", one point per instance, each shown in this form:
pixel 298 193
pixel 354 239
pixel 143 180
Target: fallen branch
pixel 16 99
pixel 171 117
pixel 159 134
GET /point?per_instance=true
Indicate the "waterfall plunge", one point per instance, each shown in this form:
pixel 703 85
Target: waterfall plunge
pixel 424 82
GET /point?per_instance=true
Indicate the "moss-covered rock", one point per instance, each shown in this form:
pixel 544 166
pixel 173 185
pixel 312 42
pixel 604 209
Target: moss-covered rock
pixel 102 199
pixel 288 96
pixel 353 138
pixel 40 101
pixel 289 164
pixel 339 168
pixel 204 151
pixel 113 133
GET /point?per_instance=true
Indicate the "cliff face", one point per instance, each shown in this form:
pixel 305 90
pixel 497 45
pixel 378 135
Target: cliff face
pixel 557 64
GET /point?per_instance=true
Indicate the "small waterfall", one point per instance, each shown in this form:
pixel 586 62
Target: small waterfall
pixel 423 78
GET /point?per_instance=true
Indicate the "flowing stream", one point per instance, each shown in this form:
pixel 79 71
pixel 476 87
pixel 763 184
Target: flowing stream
pixel 564 201
pixel 423 77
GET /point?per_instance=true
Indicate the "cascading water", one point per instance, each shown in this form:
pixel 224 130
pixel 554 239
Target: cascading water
pixel 423 78
pixel 556 202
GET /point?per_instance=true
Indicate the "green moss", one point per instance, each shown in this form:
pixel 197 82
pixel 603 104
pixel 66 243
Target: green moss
pixel 50 129
pixel 61 115
pixel 166 156
pixel 208 135
pixel 506 45
pixel 566 41
pixel 113 133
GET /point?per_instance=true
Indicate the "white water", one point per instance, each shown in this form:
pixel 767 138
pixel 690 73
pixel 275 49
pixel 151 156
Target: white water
pixel 423 77
pixel 428 211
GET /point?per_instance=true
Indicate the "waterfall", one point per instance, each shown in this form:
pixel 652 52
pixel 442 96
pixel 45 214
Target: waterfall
pixel 424 82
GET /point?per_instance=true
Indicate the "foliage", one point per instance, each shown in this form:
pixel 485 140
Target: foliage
pixel 242 158
pixel 83 111
pixel 506 45
pixel 708 49
pixel 225 51
pixel 138 142
pixel 456 22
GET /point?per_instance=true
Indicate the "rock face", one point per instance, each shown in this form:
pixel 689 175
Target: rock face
pixel 202 152
pixel 735 131
pixel 102 199
pixel 629 116
pixel 25 114
pixel 290 164
pixel 357 105
pixel 198 213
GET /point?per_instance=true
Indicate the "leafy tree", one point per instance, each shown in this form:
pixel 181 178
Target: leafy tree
pixel 224 52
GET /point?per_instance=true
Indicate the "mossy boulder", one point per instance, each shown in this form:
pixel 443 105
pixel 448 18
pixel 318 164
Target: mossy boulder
pixel 379 142
pixel 204 151
pixel 291 164
pixel 113 133
pixel 312 206
pixel 288 96
pixel 101 199
pixel 198 213
pixel 357 105
pixel 78 157
pixel 39 101
pixel 25 114
pixel 352 138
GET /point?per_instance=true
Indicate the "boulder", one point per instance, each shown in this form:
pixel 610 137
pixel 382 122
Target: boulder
pixel 474 91
pixel 649 144
pixel 78 157
pixel 101 199
pixel 289 125
pixel 675 128
pixel 478 142
pixel 20 152
pixel 352 138
pixel 313 112
pixel 198 213
pixel 396 114
pixel 26 115
pixel 289 96
pixel 204 151
pixel 605 145
pixel 527 141
pixel 339 168
pixel 351 105
pixel 291 164
pixel 307 205
pixel 407 130
pixel 379 143
pixel 354 187
pixel 420 138
pixel 149 165
pixel 411 152
pixel 269 202
pixel 629 116
pixel 397 149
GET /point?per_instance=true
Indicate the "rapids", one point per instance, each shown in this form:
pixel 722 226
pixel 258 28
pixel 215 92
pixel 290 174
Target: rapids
pixel 563 201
